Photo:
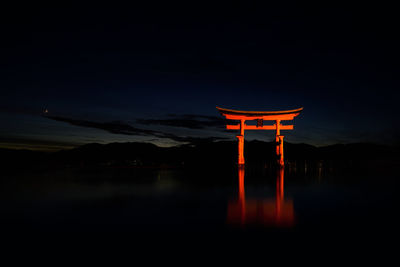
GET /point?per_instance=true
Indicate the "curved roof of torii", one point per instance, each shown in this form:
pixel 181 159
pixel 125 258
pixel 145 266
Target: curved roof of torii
pixel 258 113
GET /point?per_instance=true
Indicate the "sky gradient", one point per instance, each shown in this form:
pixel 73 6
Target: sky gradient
pixel 156 73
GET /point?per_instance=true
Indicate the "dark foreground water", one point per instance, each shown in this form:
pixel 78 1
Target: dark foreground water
pixel 237 207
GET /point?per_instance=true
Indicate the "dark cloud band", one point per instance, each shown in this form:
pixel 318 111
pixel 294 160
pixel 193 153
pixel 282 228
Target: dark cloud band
pixel 189 121
pixel 118 127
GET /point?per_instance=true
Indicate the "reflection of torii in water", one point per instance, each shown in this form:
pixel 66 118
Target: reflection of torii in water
pixel 266 212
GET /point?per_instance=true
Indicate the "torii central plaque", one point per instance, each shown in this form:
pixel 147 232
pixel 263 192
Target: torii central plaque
pixel 260 117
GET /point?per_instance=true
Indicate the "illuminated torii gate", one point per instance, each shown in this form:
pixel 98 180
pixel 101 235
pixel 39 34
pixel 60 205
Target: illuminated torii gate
pixel 260 117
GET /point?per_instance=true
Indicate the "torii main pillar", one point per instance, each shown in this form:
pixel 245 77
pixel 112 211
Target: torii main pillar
pixel 260 117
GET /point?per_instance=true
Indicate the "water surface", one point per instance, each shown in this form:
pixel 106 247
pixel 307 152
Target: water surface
pixel 244 202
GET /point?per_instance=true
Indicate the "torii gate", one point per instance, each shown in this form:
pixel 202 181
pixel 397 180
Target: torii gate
pixel 260 117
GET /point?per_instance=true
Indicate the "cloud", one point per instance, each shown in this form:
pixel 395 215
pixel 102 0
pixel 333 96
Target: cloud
pixel 189 121
pixel 117 127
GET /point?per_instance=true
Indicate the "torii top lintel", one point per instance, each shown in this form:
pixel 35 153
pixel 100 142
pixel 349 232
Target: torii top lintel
pixel 231 114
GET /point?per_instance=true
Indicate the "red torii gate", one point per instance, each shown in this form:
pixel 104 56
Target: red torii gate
pixel 260 117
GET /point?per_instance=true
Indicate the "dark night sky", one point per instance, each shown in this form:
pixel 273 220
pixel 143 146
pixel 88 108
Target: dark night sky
pixel 156 72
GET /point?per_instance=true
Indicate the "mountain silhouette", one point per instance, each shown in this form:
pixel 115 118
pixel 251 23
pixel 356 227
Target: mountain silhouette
pixel 222 153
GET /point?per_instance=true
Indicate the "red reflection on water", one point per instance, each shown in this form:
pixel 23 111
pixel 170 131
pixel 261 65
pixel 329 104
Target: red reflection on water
pixel 270 212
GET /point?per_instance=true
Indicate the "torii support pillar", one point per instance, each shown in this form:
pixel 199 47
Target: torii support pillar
pixel 240 149
pixel 260 117
pixel 279 144
pixel 279 150
pixel 241 144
